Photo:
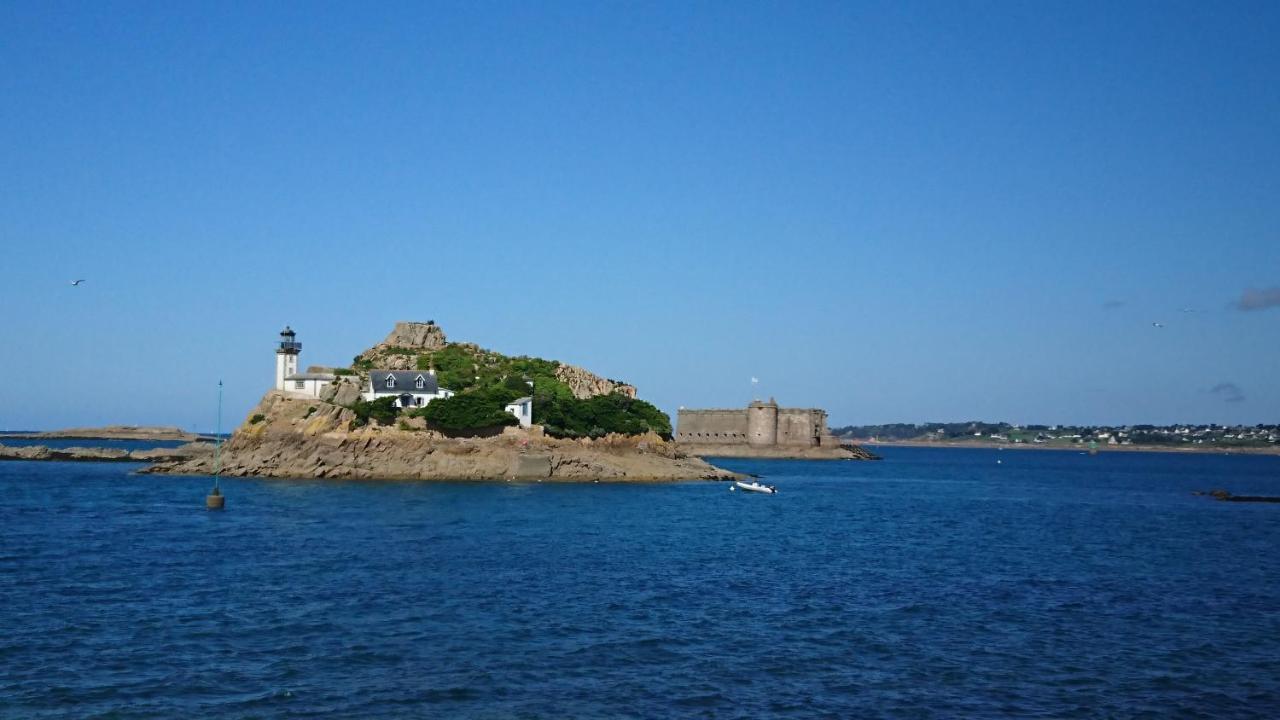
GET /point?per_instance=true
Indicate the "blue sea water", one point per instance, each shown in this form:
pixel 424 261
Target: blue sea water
pixel 934 584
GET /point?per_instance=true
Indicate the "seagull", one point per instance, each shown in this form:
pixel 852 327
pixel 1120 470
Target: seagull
pixel 75 283
pixel 1156 324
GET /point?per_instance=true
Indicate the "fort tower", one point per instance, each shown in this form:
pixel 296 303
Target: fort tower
pixel 762 423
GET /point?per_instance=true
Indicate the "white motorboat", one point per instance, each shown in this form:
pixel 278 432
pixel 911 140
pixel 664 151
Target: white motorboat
pixel 753 486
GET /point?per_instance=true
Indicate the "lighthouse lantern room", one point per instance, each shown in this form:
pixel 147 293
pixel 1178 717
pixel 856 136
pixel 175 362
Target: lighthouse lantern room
pixel 287 357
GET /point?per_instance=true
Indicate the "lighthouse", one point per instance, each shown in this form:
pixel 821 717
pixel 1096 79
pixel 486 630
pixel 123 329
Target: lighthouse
pixel 287 356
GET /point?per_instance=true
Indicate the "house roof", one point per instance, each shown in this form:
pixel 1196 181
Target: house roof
pixel 406 381
pixel 311 376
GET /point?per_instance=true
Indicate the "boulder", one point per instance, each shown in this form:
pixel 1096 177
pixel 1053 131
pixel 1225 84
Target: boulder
pixel 586 384
pixel 343 391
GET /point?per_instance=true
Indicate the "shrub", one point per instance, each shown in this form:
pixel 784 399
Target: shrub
pixel 597 416
pixel 472 411
pixel 383 410
pixel 257 418
pixel 310 411
pixel 343 371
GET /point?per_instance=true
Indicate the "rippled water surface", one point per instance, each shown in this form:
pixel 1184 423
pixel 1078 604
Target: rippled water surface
pixel 936 583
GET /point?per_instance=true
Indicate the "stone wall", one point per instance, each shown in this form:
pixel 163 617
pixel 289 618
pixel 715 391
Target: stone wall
pixel 793 427
pixel 798 426
pixel 712 426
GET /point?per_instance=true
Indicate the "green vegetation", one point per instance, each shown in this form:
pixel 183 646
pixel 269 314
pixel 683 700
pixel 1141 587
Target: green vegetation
pixel 383 410
pixel 465 412
pixel 486 381
pixel 598 416
pixel 343 372
pixel 257 418
pixel 310 411
pixel 466 367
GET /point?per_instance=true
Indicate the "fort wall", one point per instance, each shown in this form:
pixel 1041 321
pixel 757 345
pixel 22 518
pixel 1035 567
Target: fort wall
pixel 760 424
pixel 720 427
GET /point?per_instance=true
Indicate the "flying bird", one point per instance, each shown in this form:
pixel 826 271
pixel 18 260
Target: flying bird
pixel 75 283
pixel 1156 324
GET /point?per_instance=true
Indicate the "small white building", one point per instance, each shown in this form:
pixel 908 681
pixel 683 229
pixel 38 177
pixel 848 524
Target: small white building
pixel 411 388
pixel 523 410
pixel 309 384
pixel 288 379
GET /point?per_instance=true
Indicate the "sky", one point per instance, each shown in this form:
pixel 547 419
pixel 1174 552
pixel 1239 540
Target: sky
pixel 897 211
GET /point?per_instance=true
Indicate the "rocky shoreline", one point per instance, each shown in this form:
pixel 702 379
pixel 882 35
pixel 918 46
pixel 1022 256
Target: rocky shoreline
pixel 779 452
pixel 98 454
pixel 305 438
pixel 111 432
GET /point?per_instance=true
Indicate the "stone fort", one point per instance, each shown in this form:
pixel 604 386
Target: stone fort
pixel 760 424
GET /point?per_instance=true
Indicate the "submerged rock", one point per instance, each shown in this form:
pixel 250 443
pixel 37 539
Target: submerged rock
pixel 1225 496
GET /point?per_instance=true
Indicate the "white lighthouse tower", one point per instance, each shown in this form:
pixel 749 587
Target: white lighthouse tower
pixel 287 356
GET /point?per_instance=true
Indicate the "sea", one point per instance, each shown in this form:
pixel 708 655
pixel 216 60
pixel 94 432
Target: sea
pixel 935 583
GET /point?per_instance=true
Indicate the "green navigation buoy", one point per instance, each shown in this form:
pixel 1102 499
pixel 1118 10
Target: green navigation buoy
pixel 215 500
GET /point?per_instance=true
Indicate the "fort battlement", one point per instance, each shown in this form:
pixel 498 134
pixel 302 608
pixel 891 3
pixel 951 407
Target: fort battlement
pixel 761 424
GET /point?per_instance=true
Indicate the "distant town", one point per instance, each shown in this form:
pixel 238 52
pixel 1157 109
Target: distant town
pixel 1187 436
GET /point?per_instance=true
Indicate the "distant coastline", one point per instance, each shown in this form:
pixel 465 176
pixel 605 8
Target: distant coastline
pixel 988 445
pixel 113 432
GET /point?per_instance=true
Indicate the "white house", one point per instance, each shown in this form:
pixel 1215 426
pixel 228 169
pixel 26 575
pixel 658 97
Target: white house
pixel 309 384
pixel 523 410
pixel 288 379
pixel 411 388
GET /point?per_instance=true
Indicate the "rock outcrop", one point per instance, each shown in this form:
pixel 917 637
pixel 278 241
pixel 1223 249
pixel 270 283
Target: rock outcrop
pixel 299 438
pixel 343 391
pixel 586 384
pixel 96 454
pixel 400 348
pixel 1226 496
pixel 115 432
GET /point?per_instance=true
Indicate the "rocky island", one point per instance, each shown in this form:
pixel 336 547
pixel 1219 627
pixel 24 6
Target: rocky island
pixel 417 406
pixel 113 432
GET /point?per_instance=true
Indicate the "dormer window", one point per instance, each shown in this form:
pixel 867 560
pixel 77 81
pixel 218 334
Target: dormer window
pixel 391 381
pixel 420 383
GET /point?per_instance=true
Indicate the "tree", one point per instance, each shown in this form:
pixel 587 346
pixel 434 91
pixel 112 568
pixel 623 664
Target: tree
pixel 468 411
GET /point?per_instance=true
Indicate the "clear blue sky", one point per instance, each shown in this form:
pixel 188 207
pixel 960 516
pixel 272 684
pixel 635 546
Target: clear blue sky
pixel 896 211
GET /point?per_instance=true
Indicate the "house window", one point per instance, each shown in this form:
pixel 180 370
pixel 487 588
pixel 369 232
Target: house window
pixel 417 401
pixel 391 381
pixel 299 385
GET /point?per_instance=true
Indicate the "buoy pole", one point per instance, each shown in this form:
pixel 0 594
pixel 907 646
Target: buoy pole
pixel 215 500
